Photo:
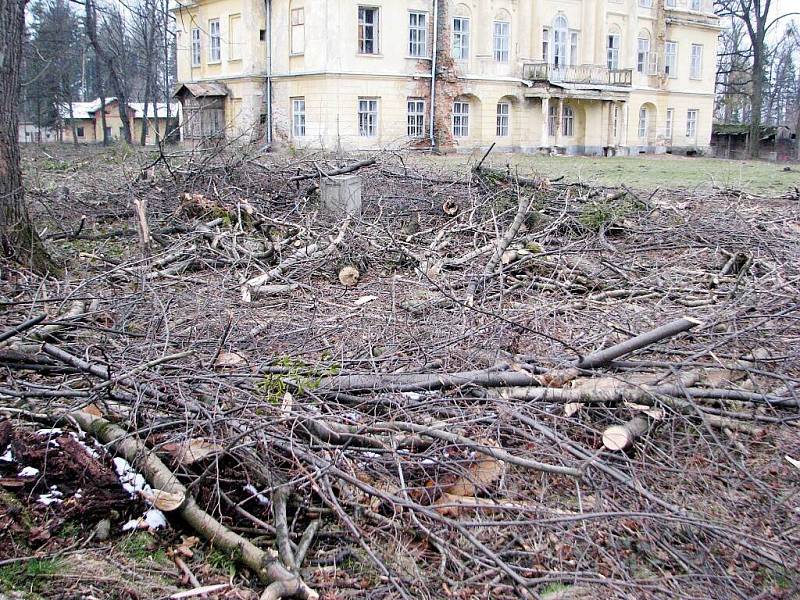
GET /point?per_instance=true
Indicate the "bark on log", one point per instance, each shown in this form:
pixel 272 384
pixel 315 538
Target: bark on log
pixel 603 357
pixel 343 171
pixel 264 563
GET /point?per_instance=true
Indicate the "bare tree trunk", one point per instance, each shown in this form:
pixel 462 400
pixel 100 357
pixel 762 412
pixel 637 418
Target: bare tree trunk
pixel 18 236
pixel 68 95
pixel 113 73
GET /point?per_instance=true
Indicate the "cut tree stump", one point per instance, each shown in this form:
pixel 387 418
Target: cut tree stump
pixel 622 437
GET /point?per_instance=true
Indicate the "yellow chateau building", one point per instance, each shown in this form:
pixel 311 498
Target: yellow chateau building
pixel 571 76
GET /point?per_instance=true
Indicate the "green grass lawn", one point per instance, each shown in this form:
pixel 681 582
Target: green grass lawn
pixel 648 172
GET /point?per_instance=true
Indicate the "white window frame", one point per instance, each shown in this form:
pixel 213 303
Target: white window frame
pixel 613 43
pixel 671 4
pixel 567 121
pixel 696 5
pixel 460 119
pixel 298 117
pixel 646 3
pixel 373 28
pixel 670 126
pixel 368 117
pixel 546 44
pixel 417 34
pixel 573 48
pixel 215 41
pixel 197 48
pixel 560 42
pixel 501 41
pixel 643 46
pixel 671 58
pixel 503 119
pixel 692 116
pixel 461 38
pixel 644 118
pixel 298 31
pixel 552 120
pixel 696 69
pixel 416 118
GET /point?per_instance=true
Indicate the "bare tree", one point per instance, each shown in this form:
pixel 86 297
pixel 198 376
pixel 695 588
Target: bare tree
pixel 18 236
pixel 757 20
pixel 111 61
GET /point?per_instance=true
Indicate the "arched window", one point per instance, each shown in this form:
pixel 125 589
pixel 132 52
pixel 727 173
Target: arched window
pixel 461 32
pixel 560 36
pixel 643 53
pixel 502 37
pixel 568 121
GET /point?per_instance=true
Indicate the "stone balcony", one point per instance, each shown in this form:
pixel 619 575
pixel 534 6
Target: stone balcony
pixel 592 75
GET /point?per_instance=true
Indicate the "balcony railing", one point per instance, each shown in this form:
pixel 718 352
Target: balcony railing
pixel 587 74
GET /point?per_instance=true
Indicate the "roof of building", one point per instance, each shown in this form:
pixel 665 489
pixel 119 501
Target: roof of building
pixel 202 89
pixel 86 110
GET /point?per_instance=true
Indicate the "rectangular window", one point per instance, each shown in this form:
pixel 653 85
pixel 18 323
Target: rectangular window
pixel 552 120
pixel 367 30
pixel 546 45
pixel 568 122
pixel 691 123
pixel 461 38
pixel 417 34
pixel 643 55
pixel 460 119
pixel 646 3
pixel 616 122
pixel 367 117
pixel 613 51
pixel 573 48
pixel 503 113
pixel 671 4
pixel 215 48
pixel 195 46
pixel 671 59
pixel 502 41
pixel 642 122
pixel 697 61
pixel 298 30
pixel 78 130
pixel 298 117
pixel 695 5
pixel 234 35
pixel 670 122
pixel 416 118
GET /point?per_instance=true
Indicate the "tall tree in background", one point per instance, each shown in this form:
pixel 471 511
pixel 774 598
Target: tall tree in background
pixel 108 52
pixel 756 16
pixel 18 237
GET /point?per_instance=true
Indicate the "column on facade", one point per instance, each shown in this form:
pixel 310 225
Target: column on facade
pixel 559 120
pixel 623 128
pixel 601 33
pixel 536 34
pixel 611 139
pixel 525 16
pixel 632 35
pixel 544 143
pixel 588 35
pixel 485 30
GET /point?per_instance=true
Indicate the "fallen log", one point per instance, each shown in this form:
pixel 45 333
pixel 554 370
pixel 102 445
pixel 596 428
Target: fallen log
pixel 264 563
pixel 622 437
pixel 343 171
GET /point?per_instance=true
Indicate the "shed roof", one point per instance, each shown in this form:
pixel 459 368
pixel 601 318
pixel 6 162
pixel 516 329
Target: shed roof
pixel 202 89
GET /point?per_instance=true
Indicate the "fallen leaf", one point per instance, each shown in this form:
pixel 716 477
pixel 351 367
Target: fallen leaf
pixel 92 410
pixel 192 450
pixel 164 500
pixel 481 474
pixel 229 359
pixel 364 300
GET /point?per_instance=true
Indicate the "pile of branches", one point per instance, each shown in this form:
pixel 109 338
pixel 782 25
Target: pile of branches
pixel 479 385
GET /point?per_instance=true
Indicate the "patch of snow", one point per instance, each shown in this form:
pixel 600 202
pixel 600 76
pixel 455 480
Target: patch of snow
pixel 250 489
pixel 152 519
pixel 28 472
pixel 412 395
pixel 89 450
pixel 53 431
pixel 132 481
pixel 53 497
pixel 7 457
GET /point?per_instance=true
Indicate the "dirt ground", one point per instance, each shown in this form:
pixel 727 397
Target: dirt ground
pixel 428 418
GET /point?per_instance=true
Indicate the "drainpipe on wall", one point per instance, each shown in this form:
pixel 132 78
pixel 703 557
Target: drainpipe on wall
pixel 268 6
pixel 433 71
